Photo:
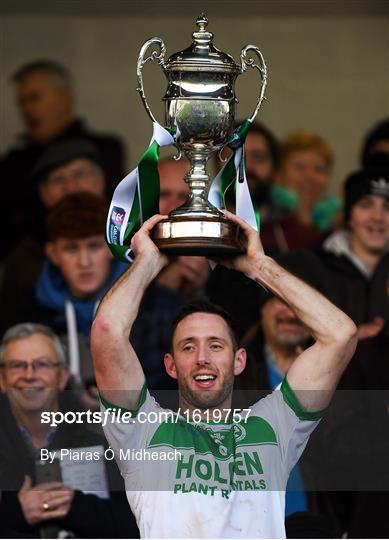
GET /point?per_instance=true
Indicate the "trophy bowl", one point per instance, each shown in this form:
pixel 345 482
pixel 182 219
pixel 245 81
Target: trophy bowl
pixel 200 110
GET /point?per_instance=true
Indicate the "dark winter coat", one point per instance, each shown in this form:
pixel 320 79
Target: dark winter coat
pixel 362 297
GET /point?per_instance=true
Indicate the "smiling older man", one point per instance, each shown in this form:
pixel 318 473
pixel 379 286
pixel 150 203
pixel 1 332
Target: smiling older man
pixel 33 374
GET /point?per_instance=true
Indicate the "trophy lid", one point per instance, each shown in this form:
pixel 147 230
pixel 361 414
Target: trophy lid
pixel 202 55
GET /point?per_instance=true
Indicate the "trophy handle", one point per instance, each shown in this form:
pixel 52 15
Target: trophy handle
pixel 160 57
pixel 249 62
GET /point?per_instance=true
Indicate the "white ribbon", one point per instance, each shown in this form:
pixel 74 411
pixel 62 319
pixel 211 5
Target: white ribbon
pixel 244 206
pixel 124 194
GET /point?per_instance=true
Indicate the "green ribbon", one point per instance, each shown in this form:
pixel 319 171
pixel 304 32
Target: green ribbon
pixel 136 197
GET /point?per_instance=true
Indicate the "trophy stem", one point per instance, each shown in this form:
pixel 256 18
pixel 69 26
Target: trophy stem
pixel 199 183
pixel 197 227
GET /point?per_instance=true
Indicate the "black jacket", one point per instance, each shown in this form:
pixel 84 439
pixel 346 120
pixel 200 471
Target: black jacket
pixel 20 273
pixel 362 298
pixel 89 515
pixel 352 461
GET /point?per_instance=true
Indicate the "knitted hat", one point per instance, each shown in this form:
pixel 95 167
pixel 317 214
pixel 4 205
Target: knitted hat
pixel 361 183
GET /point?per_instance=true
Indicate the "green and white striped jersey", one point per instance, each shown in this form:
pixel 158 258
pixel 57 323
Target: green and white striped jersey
pixel 211 480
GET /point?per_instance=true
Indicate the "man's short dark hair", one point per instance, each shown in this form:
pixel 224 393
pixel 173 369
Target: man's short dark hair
pixel 271 141
pixel 59 72
pixel 257 128
pixel 380 132
pixel 205 306
pixel 77 216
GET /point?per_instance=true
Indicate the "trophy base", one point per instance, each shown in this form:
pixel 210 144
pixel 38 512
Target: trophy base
pixel 203 235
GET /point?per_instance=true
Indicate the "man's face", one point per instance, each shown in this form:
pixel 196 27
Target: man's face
pixel 281 328
pixel 307 174
pixel 80 174
pixel 31 376
pixel 204 361
pixel 369 224
pixel 173 188
pixel 45 109
pixel 259 165
pixel 85 264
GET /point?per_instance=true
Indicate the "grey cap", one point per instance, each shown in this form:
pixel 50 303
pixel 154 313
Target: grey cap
pixel 61 153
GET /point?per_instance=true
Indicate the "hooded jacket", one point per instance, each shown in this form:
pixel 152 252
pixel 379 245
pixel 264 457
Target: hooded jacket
pixel 72 318
pixel 69 316
pixel 353 290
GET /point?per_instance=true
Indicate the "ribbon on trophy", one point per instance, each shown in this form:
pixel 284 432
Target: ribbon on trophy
pixel 233 174
pixel 136 198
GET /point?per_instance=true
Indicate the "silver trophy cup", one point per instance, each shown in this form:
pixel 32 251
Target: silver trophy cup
pixel 200 109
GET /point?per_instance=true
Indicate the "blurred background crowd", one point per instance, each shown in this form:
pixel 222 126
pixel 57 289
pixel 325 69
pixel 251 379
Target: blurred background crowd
pixel 55 266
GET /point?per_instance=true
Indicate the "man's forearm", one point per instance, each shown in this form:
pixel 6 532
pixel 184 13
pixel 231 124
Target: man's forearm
pixel 122 301
pixel 117 367
pixel 323 318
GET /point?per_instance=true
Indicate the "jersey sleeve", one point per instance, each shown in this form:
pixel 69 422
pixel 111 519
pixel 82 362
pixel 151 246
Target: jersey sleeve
pixel 128 431
pixel 291 423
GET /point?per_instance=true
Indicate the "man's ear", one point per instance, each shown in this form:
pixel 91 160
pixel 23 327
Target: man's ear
pixel 170 365
pixel 240 361
pixel 51 252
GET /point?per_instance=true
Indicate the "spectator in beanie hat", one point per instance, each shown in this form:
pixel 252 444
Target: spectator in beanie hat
pixel 67 167
pixel 361 184
pixel 357 257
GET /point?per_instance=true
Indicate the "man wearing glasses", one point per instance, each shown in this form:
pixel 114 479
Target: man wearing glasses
pixel 35 501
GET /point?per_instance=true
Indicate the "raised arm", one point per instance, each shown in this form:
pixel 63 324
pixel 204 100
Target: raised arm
pixel 118 372
pixel 314 375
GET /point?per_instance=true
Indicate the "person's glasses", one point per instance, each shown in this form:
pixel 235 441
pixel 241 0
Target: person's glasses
pixel 20 366
pixel 77 176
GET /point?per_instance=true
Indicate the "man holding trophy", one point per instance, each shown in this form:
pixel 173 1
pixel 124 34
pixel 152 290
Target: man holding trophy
pixel 228 477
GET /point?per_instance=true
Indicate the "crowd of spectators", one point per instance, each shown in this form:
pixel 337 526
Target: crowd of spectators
pixel 55 267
